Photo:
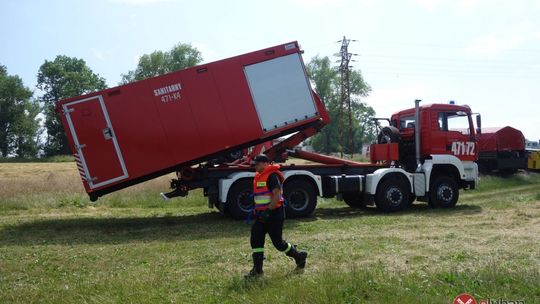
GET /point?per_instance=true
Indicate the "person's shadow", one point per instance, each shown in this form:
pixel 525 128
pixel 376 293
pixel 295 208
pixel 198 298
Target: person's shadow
pixel 100 230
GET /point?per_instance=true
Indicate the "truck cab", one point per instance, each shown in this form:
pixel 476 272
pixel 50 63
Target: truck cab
pixel 434 147
pixel 445 129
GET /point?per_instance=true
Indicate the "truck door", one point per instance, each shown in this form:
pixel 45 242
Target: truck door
pixel 456 129
pixel 98 155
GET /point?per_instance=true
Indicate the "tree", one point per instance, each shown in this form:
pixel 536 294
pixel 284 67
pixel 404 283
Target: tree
pixel 326 80
pixel 181 56
pixel 18 123
pixel 64 77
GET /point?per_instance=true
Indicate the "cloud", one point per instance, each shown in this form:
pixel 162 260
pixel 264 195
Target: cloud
pixel 317 3
pixel 497 43
pixel 428 4
pixel 139 2
pixel 207 52
pixel 388 100
pixel 321 3
pixel 99 54
pixel 462 6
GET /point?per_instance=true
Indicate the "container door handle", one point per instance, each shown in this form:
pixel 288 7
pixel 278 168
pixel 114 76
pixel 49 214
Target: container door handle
pixel 107 133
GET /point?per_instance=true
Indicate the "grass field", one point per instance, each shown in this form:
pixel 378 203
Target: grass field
pixel 130 247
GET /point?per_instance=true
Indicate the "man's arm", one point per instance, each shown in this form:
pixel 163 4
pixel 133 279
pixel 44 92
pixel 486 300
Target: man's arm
pixel 275 186
pixel 276 194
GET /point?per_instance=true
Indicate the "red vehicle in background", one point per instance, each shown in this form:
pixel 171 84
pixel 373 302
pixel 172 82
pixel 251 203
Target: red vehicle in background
pixel 205 123
pixel 501 149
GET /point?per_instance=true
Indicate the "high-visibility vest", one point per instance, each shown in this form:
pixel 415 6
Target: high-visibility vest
pixel 261 194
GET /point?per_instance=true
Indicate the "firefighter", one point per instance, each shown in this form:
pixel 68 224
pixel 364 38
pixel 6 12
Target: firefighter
pixel 269 214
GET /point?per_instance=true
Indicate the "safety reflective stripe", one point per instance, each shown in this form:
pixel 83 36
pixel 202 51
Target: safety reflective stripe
pixel 261 184
pixel 289 246
pixel 258 250
pixel 262 199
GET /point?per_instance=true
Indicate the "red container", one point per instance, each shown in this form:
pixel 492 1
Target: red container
pixel 500 139
pixel 131 133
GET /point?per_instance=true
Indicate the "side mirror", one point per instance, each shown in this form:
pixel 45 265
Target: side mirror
pixel 478 124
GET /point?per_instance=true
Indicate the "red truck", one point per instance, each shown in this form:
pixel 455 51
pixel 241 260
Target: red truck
pixel 206 122
pixel 501 149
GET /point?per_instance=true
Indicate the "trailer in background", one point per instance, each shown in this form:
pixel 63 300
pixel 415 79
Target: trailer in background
pixel 501 149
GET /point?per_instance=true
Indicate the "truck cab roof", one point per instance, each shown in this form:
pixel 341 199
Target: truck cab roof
pixel 435 107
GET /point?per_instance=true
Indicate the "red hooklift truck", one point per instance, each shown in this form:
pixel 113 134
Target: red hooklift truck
pixel 205 123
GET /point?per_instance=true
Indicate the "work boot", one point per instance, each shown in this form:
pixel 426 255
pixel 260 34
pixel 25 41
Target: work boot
pixel 298 256
pixel 257 269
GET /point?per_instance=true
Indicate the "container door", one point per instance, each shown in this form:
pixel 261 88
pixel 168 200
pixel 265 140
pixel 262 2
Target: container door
pixel 281 91
pixel 98 155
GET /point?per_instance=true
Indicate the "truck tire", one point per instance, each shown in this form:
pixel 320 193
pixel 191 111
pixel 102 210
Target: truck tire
pixel 444 192
pixel 239 199
pixel 392 195
pixel 354 199
pixel 300 198
pixel 388 135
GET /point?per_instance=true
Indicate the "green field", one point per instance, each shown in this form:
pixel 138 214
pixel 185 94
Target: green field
pixel 130 247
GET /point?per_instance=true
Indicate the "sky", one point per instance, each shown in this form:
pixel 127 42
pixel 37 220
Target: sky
pixel 483 53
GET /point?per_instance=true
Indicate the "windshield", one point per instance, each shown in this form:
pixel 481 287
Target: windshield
pixel 454 121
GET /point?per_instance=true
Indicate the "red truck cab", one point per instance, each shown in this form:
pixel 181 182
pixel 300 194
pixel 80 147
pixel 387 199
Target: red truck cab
pixel 444 128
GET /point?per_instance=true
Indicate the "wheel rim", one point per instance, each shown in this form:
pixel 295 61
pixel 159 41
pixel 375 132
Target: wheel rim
pixel 298 199
pixel 445 193
pixel 394 196
pixel 244 202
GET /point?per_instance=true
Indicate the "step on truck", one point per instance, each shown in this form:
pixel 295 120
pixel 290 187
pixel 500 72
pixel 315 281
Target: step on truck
pixel 207 122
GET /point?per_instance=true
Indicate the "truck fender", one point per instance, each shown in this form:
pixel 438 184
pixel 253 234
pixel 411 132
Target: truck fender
pixel 373 179
pixel 226 183
pixel 467 170
pixel 316 178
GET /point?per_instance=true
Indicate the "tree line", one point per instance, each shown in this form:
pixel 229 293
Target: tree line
pixel 30 127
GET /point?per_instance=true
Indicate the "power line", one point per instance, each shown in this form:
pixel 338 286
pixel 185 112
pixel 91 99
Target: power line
pixel 345 90
pixel 454 46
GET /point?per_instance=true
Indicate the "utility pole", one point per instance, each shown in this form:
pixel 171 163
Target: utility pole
pixel 345 96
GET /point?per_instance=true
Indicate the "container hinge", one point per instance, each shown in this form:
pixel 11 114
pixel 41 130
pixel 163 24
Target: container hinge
pixel 66 111
pixel 80 146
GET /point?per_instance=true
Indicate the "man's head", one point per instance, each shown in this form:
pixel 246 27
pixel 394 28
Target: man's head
pixel 261 161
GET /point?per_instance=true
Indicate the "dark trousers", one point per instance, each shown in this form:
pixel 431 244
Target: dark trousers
pixel 274 228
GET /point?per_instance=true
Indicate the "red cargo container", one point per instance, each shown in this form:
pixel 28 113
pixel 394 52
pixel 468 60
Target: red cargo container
pixel 501 149
pixel 128 134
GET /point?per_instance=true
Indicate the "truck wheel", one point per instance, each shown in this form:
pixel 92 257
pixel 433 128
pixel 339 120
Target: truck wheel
pixel 388 135
pixel 354 199
pixel 392 195
pixel 300 197
pixel 239 199
pixel 444 192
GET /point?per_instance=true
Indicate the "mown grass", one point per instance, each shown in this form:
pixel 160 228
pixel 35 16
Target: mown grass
pixel 130 247
pixel 50 159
